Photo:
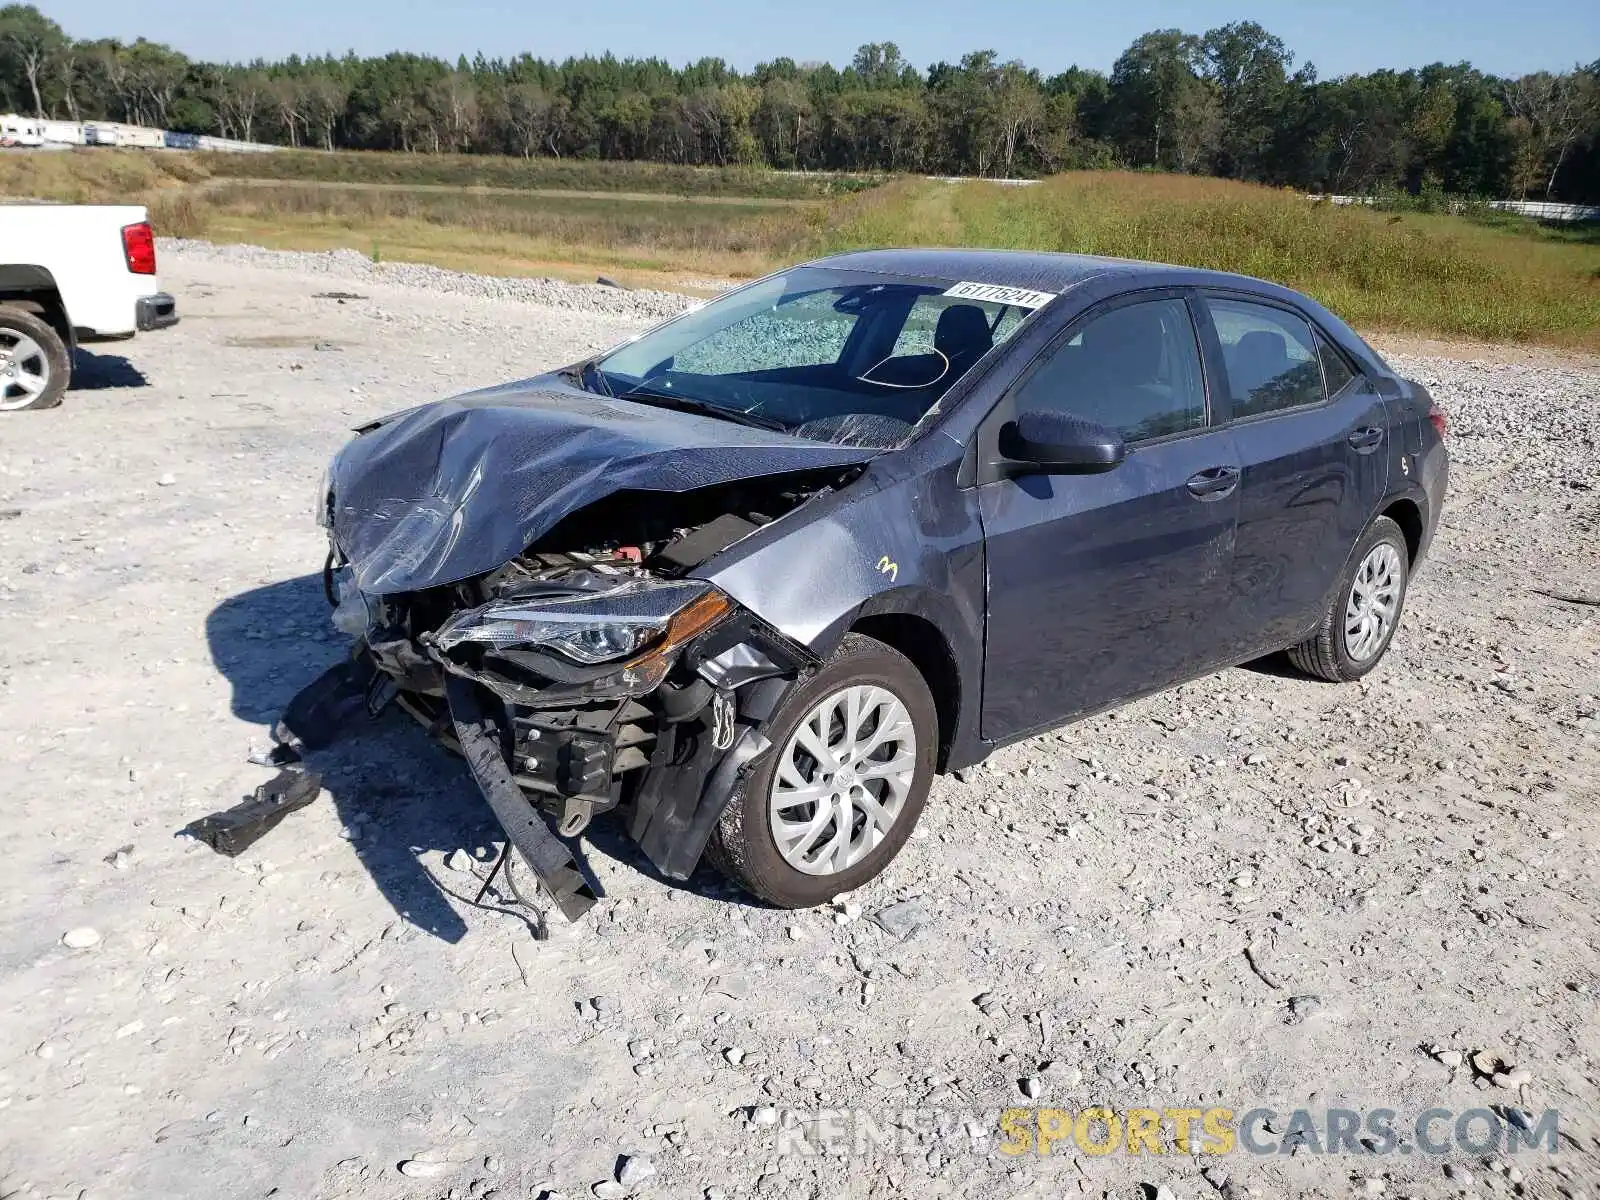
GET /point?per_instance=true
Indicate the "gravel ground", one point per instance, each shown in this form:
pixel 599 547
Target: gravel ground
pixel 1410 862
pixel 357 267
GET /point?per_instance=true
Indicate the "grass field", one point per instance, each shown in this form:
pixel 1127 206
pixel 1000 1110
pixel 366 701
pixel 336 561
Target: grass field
pixel 645 240
pixel 94 176
pixel 1505 279
pixel 1488 278
pixel 565 174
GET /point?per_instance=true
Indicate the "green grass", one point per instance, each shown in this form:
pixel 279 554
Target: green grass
pixel 562 219
pixel 1426 274
pixel 652 240
pixel 87 176
pixel 583 175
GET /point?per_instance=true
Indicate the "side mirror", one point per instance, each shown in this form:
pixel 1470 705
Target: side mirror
pixel 1060 444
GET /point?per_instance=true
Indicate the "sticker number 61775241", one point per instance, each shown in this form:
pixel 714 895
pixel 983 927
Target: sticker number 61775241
pixel 995 294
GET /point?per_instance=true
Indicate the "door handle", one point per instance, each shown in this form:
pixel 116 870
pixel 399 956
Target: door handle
pixel 1367 439
pixel 1213 483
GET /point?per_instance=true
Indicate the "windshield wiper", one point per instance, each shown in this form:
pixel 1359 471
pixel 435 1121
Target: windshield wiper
pixel 649 395
pixel 589 377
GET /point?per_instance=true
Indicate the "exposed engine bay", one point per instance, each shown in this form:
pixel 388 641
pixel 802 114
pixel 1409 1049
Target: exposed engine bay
pixel 590 673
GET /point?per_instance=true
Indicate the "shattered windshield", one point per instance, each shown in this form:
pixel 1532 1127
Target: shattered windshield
pixel 838 356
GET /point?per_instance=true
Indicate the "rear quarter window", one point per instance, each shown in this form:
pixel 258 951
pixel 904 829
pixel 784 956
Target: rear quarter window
pixel 1336 372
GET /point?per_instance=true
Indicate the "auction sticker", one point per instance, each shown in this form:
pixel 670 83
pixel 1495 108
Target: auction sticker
pixel 995 294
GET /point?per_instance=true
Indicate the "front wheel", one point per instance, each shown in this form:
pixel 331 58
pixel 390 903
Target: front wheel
pixel 1362 618
pixel 35 365
pixel 853 755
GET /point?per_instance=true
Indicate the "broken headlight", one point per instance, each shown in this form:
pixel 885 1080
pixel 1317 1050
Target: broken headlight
pixel 356 613
pixel 637 625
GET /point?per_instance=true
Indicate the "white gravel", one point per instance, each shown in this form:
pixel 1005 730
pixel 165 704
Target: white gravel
pixel 1411 861
pixel 1498 411
pixel 354 267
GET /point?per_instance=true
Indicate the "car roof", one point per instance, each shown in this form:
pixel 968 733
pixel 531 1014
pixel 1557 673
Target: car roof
pixel 1037 269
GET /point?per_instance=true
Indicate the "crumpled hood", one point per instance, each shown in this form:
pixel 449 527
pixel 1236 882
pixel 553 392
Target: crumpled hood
pixel 454 489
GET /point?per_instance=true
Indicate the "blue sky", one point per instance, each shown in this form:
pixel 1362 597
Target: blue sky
pixel 1342 37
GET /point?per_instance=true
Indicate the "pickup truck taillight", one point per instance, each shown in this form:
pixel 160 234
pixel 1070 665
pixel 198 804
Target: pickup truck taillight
pixel 1438 418
pixel 139 247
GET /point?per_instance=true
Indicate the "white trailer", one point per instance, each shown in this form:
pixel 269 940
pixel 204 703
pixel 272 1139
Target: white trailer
pixel 63 133
pixel 21 131
pixel 145 139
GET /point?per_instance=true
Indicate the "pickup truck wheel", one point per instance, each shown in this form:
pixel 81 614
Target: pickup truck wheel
pixel 1360 622
pixel 34 363
pixel 853 753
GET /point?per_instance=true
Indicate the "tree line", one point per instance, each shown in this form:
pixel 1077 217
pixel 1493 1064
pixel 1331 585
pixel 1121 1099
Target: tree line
pixel 1229 102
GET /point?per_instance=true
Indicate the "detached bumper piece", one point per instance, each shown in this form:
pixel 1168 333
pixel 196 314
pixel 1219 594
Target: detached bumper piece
pixel 155 312
pixel 235 830
pixel 546 854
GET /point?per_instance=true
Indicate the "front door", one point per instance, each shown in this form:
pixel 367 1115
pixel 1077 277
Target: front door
pixel 1102 587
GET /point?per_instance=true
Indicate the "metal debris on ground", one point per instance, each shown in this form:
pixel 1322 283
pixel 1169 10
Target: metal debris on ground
pixel 235 830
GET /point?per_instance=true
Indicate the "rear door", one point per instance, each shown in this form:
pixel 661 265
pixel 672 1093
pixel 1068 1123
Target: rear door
pixel 1102 587
pixel 1312 434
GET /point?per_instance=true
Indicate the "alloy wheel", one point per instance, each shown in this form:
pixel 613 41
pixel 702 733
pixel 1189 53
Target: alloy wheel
pixel 842 779
pixel 1374 603
pixel 24 370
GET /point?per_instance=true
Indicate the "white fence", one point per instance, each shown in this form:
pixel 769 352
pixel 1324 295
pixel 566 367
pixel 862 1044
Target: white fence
pixel 206 142
pixel 1544 210
pixel 1547 210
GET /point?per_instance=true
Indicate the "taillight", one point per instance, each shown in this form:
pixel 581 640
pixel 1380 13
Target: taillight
pixel 1438 418
pixel 139 247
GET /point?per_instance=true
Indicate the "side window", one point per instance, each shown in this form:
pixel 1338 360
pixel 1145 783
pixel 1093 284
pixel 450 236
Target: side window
pixel 1270 355
pixel 1335 370
pixel 1135 369
pixel 920 333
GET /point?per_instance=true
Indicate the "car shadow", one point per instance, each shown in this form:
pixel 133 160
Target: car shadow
pixel 1277 665
pixel 95 372
pixel 398 790
pixel 608 837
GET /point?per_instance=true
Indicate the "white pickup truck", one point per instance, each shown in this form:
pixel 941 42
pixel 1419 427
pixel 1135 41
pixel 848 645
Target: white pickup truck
pixel 71 273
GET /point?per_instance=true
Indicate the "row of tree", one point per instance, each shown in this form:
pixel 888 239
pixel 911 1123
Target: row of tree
pixel 1228 102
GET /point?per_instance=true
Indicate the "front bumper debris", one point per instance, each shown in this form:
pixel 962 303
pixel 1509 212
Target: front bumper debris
pixel 670 760
pixel 235 830
pixel 545 854
pixel 549 758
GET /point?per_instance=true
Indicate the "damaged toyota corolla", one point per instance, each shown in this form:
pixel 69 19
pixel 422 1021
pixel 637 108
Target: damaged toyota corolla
pixel 753 578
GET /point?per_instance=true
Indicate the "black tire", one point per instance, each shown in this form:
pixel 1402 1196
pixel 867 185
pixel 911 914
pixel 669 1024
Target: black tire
pixel 53 360
pixel 1325 653
pixel 742 844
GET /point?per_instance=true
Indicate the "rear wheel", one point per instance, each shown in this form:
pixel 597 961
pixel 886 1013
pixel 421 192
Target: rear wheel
pixel 838 795
pixel 1361 620
pixel 34 363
